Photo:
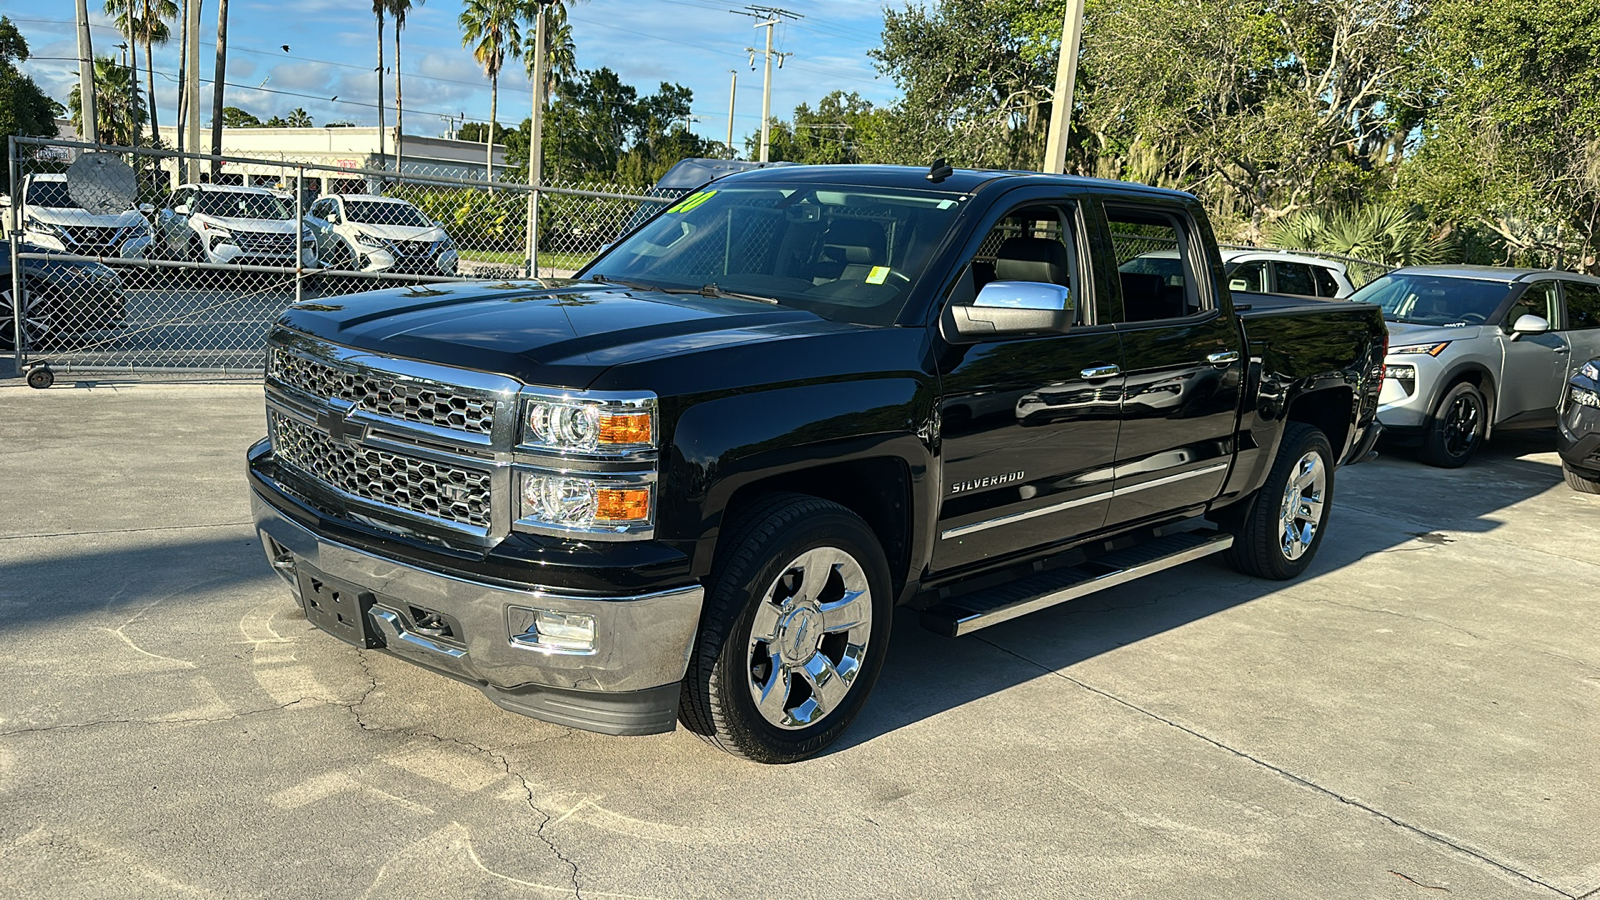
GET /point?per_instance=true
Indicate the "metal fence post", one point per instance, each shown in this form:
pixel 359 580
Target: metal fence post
pixel 300 229
pixel 17 298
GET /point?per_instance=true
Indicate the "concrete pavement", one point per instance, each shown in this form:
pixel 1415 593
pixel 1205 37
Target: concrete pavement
pixel 1419 717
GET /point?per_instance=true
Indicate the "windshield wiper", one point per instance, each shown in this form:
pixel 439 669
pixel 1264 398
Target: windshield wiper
pixel 631 285
pixel 712 291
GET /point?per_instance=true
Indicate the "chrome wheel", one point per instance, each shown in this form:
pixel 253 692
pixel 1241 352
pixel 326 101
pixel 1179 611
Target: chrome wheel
pixel 809 638
pixel 1301 511
pixel 34 326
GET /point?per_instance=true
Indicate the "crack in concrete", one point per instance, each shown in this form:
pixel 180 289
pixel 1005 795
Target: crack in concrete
pixel 1431 887
pixel 1298 779
pixel 500 758
pixel 1392 612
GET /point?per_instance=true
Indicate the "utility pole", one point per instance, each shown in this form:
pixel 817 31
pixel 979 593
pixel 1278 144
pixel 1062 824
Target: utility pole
pixel 536 140
pixel 1055 150
pixel 219 75
pixel 91 121
pixel 191 90
pixel 733 90
pixel 772 16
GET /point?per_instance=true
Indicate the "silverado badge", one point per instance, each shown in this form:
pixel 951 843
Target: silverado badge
pixel 962 487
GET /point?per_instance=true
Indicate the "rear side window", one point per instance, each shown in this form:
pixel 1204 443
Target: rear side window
pixel 1250 276
pixel 1326 286
pixel 1583 305
pixel 1154 266
pixel 1295 278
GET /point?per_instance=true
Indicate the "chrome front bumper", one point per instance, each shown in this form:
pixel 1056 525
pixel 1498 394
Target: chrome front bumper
pixel 627 684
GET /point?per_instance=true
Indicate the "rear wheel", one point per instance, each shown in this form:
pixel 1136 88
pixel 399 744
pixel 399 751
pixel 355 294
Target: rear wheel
pixel 34 323
pixel 1578 481
pixel 794 632
pixel 1456 429
pixel 1283 524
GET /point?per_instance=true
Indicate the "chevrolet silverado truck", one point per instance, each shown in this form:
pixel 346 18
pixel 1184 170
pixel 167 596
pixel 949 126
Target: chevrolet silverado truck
pixel 694 482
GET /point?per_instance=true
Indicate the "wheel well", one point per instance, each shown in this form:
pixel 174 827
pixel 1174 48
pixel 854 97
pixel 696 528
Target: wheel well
pixel 878 490
pixel 1479 379
pixel 1328 411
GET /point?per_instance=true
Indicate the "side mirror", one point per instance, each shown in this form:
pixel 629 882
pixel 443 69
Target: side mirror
pixel 1010 309
pixel 1529 324
pixel 181 209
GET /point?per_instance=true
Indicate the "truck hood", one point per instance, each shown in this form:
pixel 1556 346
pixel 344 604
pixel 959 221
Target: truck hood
pixel 557 333
pixel 51 215
pixel 1403 334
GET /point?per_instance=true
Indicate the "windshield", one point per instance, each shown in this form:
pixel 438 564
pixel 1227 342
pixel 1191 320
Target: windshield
pixel 1422 299
pixel 369 212
pixel 842 252
pixel 239 204
pixel 50 194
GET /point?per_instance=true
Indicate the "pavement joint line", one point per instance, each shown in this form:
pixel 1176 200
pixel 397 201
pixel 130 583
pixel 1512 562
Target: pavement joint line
pixel 1393 612
pixel 500 758
pixel 1298 779
pixel 18 537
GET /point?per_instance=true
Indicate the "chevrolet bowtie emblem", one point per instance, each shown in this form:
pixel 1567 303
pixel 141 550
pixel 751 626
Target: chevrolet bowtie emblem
pixel 340 429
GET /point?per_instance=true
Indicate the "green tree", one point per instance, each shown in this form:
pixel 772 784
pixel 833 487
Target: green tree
pixel 492 28
pixel 842 129
pixel 234 117
pixel 117 104
pixel 145 22
pixel 25 109
pixel 299 118
pixel 399 9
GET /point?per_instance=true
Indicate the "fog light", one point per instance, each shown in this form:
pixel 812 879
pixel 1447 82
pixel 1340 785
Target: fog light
pixel 547 629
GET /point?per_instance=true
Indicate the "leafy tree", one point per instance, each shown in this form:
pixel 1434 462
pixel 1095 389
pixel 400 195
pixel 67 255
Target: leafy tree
pixel 145 22
pixel 234 117
pixel 842 129
pixel 474 131
pixel 492 28
pixel 118 107
pixel 25 109
pixel 1384 232
pixel 399 9
pixel 299 118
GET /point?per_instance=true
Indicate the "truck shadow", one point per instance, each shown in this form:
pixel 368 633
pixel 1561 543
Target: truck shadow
pixel 1392 504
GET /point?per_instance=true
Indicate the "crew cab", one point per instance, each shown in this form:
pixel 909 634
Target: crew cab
pixel 694 482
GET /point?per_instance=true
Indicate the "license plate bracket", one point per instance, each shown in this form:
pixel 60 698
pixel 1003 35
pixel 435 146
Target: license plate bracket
pixel 337 607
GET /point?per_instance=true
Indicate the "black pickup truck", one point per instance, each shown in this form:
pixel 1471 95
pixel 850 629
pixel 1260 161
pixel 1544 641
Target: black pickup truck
pixel 693 483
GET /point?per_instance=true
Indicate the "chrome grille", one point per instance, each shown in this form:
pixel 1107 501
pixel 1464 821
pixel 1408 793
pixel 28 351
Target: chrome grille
pixel 442 407
pixel 414 248
pixel 264 242
pixel 434 489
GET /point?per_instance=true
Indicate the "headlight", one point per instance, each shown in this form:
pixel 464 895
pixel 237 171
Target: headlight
pixel 216 231
pixel 43 227
pixel 568 502
pixel 610 426
pixel 1585 397
pixel 1430 349
pixel 1590 371
pixel 371 240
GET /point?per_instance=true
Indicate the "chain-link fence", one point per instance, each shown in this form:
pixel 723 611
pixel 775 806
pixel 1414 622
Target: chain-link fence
pixel 122 260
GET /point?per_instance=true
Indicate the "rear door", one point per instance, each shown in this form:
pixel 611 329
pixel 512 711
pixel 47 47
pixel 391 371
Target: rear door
pixel 1028 424
pixel 1581 326
pixel 1183 364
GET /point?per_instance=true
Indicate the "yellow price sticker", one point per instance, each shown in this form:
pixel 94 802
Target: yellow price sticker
pixel 877 275
pixel 692 201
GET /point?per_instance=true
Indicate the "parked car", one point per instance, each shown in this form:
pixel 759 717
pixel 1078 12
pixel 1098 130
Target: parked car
pixel 1261 272
pixel 696 480
pixel 1476 348
pixel 64 297
pixel 220 223
pixel 368 233
pixel 52 220
pixel 1578 432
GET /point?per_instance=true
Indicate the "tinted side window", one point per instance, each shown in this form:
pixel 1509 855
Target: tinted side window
pixel 1538 300
pixel 1326 286
pixel 1583 305
pixel 1295 278
pixel 1250 276
pixel 1152 290
pixel 1032 243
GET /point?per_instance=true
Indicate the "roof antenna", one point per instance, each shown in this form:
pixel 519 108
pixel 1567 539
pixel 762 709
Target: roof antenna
pixel 939 171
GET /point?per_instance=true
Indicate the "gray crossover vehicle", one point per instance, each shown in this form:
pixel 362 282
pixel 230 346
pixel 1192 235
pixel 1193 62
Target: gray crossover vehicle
pixel 1475 348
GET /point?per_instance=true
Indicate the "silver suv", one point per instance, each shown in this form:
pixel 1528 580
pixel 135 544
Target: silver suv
pixel 1475 348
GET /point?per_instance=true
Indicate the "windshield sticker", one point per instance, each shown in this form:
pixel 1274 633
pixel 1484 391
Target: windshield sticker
pixel 877 275
pixel 691 201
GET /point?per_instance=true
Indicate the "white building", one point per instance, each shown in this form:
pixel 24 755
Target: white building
pixel 348 148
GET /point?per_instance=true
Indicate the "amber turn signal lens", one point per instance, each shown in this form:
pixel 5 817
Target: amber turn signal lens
pixel 625 428
pixel 622 505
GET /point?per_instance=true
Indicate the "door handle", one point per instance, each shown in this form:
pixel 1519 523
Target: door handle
pixel 1222 358
pixel 1563 349
pixel 1094 372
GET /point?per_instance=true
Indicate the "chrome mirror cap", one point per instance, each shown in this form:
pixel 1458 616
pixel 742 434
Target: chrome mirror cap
pixel 1023 295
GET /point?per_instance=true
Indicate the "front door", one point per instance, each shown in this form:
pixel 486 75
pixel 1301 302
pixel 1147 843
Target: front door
pixel 1534 371
pixel 1028 425
pixel 1183 359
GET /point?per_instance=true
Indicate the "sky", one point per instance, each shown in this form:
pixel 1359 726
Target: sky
pixel 332 54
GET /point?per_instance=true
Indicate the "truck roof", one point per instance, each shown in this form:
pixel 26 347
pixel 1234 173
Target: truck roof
pixel 960 181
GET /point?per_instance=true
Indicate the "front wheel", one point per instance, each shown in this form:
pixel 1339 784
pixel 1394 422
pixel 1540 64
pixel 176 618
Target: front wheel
pixel 1284 523
pixel 1578 481
pixel 1456 429
pixel 794 632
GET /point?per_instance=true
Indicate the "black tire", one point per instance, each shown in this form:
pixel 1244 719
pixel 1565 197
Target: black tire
pixel 761 557
pixel 1578 481
pixel 1456 428
pixel 41 377
pixel 1261 546
pixel 35 320
pixel 197 250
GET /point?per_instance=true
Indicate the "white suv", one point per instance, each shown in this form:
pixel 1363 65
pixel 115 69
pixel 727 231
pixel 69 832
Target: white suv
pixel 218 223
pixel 52 220
pixel 379 234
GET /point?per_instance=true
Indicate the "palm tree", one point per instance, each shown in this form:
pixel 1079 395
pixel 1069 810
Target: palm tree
pixel 379 7
pixel 298 119
pixel 145 22
pixel 561 56
pixel 118 106
pixel 398 9
pixel 1385 233
pixel 493 25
